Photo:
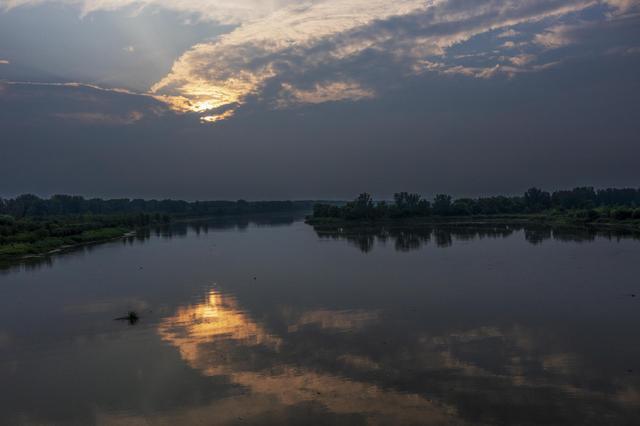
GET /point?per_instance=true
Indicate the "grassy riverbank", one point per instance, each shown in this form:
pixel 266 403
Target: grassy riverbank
pixel 17 249
pixel 36 236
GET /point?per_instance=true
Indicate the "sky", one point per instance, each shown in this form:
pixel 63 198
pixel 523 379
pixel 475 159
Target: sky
pixel 318 99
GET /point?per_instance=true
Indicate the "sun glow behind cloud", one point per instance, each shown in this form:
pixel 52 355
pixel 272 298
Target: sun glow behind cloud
pixel 313 51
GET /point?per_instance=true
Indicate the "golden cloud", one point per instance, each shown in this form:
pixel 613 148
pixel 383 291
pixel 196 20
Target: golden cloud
pixel 324 92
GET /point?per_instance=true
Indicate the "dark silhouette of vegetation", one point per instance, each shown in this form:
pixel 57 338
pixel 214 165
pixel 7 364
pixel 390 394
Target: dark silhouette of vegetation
pixel 29 205
pixel 580 204
pixel 30 225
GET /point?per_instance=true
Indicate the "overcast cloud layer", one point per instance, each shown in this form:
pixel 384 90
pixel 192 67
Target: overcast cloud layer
pixel 209 73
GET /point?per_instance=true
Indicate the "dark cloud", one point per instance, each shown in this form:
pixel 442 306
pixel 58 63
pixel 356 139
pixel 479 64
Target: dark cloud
pixel 575 124
pixel 52 43
pixel 495 98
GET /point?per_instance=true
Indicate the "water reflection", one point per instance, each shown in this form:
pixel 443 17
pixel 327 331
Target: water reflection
pixel 219 339
pixel 178 229
pixel 206 225
pixel 365 239
pixel 494 332
pixel 385 370
pixel 414 238
pixel 216 321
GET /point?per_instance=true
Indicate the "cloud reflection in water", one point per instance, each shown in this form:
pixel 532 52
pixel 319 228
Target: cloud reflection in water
pixel 217 338
pixel 425 377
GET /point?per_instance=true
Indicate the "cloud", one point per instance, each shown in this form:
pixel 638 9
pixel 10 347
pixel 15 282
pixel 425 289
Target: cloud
pixel 222 11
pixel 325 92
pixel 4 62
pixel 99 118
pixel 624 50
pixel 522 60
pixel 322 51
pixel 508 33
pixel 76 103
pixel 623 7
pixel 485 72
pixel 555 37
pixel 225 72
pixel 75 85
pixel 217 117
pixel 299 40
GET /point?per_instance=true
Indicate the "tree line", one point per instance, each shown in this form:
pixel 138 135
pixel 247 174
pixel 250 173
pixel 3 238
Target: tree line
pixel 29 205
pixel 584 202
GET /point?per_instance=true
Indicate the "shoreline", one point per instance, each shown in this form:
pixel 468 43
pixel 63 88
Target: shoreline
pixel 125 233
pixel 66 247
pixel 336 224
pixel 513 220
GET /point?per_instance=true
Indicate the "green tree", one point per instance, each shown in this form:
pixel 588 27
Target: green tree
pixel 441 204
pixel 537 200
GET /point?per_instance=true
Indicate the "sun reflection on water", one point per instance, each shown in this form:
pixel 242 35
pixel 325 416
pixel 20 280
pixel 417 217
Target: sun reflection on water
pixel 217 318
pixel 217 338
pixel 318 361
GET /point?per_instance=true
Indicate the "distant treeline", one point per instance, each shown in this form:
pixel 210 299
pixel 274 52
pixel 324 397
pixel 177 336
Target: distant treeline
pixel 63 205
pixel 619 204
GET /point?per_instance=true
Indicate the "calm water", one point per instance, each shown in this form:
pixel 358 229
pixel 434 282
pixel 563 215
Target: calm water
pixel 269 322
